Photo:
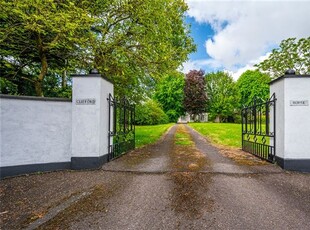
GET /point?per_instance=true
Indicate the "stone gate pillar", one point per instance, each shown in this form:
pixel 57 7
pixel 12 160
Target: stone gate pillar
pixel 292 121
pixel 90 111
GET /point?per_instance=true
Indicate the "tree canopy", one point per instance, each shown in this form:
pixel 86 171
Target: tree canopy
pixel 195 97
pixel 252 84
pixel 150 113
pixel 40 35
pixel 132 43
pixel 141 40
pixel 292 54
pixel 222 96
pixel 170 94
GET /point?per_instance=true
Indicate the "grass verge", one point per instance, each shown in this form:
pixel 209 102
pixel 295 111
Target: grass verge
pixel 150 134
pixel 220 133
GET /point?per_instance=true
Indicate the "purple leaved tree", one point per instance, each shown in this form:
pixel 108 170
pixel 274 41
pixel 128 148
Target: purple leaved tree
pixel 195 97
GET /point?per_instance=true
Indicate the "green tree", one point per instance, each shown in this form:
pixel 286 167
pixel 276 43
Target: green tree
pixel 139 41
pixel 195 97
pixel 7 87
pixel 150 113
pixel 222 96
pixel 292 54
pixel 37 34
pixel 170 93
pixel 252 84
pixel 132 43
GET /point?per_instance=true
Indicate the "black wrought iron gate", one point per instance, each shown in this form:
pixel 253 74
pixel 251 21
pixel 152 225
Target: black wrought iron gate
pixel 121 127
pixel 258 128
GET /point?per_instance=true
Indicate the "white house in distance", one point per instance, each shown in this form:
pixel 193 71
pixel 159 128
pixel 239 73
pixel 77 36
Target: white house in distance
pixel 187 118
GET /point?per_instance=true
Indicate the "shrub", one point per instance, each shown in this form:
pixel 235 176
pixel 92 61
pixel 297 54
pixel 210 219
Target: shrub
pixel 150 113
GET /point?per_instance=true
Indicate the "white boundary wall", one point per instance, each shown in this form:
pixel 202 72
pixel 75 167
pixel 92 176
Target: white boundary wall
pixel 34 131
pixel 44 134
pixel 292 121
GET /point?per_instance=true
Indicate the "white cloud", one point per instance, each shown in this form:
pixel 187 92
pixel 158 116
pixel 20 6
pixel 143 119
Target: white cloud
pixel 247 30
pixel 199 64
pixel 188 66
pixel 236 73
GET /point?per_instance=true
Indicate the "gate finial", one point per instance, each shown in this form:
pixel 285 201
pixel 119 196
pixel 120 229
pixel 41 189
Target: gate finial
pixel 93 71
pixel 290 72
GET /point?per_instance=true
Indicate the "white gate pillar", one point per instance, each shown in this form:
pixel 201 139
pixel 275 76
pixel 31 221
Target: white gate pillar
pixel 292 121
pixel 90 111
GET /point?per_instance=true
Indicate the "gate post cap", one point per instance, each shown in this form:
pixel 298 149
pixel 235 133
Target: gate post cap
pixel 94 71
pixel 290 72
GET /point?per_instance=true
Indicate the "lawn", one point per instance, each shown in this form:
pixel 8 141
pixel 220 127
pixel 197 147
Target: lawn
pixel 150 134
pixel 220 133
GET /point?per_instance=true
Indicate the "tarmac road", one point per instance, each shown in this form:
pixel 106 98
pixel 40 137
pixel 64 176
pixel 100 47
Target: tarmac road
pixel 146 189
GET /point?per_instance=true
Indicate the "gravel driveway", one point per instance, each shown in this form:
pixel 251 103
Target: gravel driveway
pixel 162 186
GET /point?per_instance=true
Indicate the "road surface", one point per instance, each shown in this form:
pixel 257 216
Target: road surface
pixel 162 186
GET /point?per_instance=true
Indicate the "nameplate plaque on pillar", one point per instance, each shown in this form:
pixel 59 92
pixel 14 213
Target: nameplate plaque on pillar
pixel 85 101
pixel 299 103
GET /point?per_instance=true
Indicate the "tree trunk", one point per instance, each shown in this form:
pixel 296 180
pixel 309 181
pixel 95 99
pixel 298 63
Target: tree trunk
pixel 64 76
pixel 38 88
pixel 217 119
pixel 38 82
pixel 64 79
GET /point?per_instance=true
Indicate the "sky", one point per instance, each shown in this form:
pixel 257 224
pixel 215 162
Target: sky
pixel 232 35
